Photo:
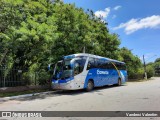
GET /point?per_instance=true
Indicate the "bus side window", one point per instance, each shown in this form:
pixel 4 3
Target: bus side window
pixel 102 64
pixel 79 65
pixel 123 66
pixel 91 63
pixel 111 65
pixel 77 68
pixel 120 66
pixel 98 63
pixel 117 65
pixel 95 63
pixel 107 65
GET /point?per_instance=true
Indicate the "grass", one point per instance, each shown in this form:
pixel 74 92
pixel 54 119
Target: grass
pixel 9 94
pixel 140 80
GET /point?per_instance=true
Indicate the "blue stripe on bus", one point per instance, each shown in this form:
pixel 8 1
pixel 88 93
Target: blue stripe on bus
pixel 69 57
pixel 62 81
pixel 103 77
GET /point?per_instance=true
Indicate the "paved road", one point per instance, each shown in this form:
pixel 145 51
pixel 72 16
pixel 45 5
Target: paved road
pixel 134 96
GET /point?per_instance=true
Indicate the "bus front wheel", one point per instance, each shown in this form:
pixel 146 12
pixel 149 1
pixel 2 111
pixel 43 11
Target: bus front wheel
pixel 90 86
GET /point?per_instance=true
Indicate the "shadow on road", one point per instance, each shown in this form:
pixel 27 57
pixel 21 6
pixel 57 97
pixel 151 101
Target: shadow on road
pixel 63 92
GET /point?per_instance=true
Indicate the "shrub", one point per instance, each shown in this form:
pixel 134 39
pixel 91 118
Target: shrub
pixel 43 77
pixel 150 71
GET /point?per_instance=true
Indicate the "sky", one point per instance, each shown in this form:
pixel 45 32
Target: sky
pixel 137 22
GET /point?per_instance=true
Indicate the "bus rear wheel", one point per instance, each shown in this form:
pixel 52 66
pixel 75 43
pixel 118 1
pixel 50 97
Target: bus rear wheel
pixel 119 82
pixel 90 86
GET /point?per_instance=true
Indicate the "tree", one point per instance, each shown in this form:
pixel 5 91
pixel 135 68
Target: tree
pixel 77 30
pixel 27 33
pixel 34 33
pixel 156 66
pixel 157 60
pixel 134 65
pixel 150 70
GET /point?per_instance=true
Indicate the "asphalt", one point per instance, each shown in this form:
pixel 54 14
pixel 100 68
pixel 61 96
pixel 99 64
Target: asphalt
pixel 133 96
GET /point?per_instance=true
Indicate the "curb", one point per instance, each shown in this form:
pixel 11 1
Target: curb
pixel 23 96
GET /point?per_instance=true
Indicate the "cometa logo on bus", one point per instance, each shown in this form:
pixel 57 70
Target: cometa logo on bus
pixel 102 72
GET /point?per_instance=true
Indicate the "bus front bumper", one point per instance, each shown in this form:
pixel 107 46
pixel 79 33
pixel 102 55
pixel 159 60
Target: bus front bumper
pixel 63 86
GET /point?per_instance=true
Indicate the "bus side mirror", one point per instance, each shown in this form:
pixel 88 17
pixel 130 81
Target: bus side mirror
pixel 51 68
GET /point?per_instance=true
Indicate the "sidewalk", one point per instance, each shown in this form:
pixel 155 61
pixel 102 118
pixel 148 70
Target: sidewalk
pixel 3 99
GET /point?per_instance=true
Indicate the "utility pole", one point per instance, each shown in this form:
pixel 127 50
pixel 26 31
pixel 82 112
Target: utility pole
pixel 4 76
pixel 145 72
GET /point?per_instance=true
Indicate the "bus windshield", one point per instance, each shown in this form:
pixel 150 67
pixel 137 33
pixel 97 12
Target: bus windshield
pixel 63 69
pixel 69 68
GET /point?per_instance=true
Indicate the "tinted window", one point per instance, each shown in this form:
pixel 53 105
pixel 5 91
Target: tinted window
pixel 123 67
pixel 101 63
pixel 111 65
pixel 66 65
pixel 108 65
pixel 82 57
pixel 104 64
pixel 91 63
pixel 79 65
pixel 120 66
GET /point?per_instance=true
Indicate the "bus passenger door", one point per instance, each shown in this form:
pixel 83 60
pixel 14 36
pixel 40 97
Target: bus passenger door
pixel 79 74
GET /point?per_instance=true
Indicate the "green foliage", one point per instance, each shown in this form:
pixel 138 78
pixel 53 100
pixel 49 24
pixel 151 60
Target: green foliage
pixel 157 60
pixel 43 77
pixel 133 63
pixel 156 67
pixel 34 33
pixel 150 71
pixel 153 68
pixel 27 33
pixel 77 30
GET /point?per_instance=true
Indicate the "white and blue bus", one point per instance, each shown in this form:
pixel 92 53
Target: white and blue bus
pixel 86 71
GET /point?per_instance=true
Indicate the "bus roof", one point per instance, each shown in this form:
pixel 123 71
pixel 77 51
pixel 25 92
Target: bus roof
pixel 91 55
